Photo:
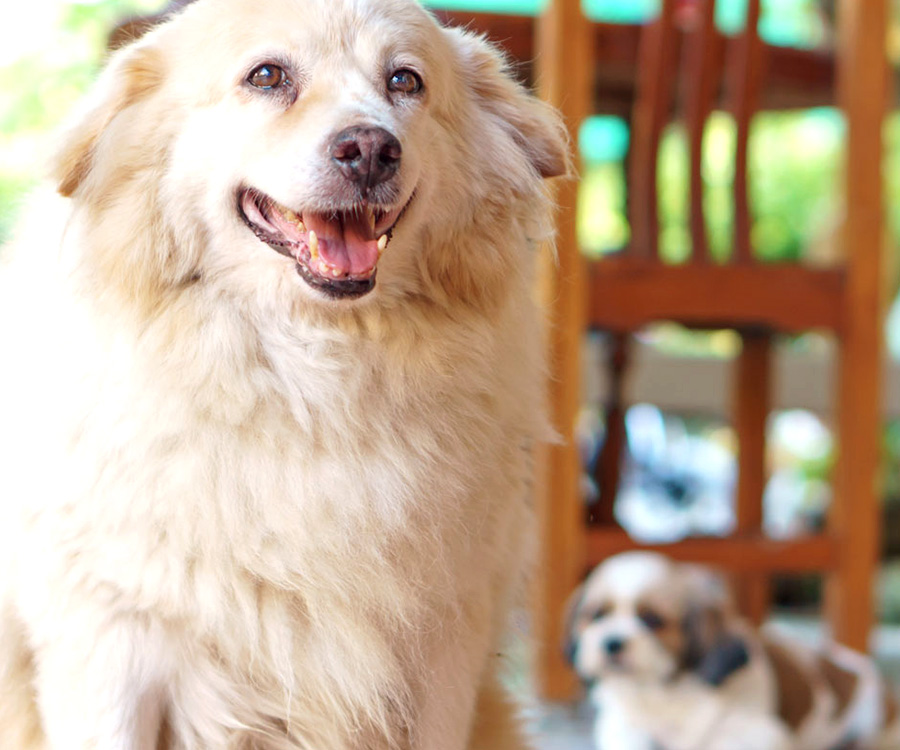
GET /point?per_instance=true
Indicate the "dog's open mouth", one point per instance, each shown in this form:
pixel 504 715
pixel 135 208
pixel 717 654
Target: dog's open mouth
pixel 336 252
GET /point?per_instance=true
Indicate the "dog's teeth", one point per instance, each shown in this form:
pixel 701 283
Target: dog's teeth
pixel 300 225
pixel 323 268
pixel 290 216
pixel 371 220
pixel 336 272
pixel 382 243
pixel 313 245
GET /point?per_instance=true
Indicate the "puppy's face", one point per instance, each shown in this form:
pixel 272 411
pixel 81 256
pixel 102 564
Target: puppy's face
pixel 628 620
pixel 318 143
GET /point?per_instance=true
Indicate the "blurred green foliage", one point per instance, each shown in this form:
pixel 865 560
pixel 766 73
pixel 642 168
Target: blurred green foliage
pixel 59 57
pixel 794 190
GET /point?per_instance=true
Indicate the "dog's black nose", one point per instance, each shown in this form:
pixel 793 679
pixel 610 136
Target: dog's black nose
pixel 614 646
pixel 367 156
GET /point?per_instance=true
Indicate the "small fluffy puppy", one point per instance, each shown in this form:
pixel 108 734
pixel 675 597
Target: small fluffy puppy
pixel 271 380
pixel 671 667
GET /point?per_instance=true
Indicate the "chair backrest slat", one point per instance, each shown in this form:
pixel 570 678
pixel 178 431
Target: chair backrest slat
pixel 655 91
pixel 744 80
pixel 700 84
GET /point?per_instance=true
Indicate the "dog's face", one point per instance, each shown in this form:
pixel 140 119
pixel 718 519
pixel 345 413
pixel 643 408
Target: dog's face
pixel 306 139
pixel 627 620
pixel 640 616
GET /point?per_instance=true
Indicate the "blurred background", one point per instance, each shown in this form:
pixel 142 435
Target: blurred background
pixel 679 466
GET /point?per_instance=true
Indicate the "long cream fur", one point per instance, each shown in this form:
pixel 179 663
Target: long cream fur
pixel 234 514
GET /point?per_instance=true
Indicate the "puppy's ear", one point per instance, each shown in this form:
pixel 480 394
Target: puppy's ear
pixel 727 656
pixel 711 650
pixel 535 126
pixel 570 637
pixel 132 75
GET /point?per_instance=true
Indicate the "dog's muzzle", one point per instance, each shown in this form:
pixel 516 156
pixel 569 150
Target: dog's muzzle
pixel 336 252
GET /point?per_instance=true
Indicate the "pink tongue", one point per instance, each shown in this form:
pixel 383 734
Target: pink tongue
pixel 345 243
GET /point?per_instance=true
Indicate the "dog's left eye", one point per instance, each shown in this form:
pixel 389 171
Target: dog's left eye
pixel 405 81
pixel 651 619
pixel 267 77
pixel 601 612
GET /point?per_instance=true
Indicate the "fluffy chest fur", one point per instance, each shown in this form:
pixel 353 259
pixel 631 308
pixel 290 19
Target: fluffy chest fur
pixel 243 441
pixel 307 502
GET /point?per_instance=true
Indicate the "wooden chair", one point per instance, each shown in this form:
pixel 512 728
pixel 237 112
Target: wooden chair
pixel 623 294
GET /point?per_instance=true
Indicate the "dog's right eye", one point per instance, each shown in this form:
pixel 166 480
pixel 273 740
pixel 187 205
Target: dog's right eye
pixel 267 77
pixel 405 81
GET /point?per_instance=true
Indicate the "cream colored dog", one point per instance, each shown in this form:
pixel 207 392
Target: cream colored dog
pixel 262 487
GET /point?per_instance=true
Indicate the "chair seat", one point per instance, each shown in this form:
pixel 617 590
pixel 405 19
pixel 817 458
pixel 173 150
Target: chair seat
pixel 742 553
pixel 626 294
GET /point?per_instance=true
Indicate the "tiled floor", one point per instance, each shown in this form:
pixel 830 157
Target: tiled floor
pixel 568 727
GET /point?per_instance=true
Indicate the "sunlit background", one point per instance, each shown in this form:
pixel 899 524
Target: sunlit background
pixel 681 466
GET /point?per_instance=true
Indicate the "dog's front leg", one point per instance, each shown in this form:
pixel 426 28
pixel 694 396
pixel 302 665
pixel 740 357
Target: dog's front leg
pixel 101 689
pixel 465 707
pixel 618 725
pixel 612 732
pixel 448 709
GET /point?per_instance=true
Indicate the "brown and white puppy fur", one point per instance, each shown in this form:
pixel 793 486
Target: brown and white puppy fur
pixel 672 667
pixel 259 489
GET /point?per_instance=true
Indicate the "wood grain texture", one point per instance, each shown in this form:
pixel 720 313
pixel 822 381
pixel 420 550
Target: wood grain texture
pixel 862 87
pixel 738 553
pixel 792 78
pixel 608 468
pixel 626 296
pixel 699 82
pixel 655 92
pixel 751 404
pixel 743 77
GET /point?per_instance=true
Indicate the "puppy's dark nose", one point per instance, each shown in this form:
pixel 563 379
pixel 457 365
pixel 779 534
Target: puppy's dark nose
pixel 614 646
pixel 366 156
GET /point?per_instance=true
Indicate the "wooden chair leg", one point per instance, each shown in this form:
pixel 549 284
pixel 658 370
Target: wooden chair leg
pixel 861 86
pixel 752 398
pixel 853 517
pixel 608 470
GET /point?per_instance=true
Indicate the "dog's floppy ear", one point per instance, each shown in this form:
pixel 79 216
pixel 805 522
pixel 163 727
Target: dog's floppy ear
pixel 535 126
pixel 712 651
pixel 131 75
